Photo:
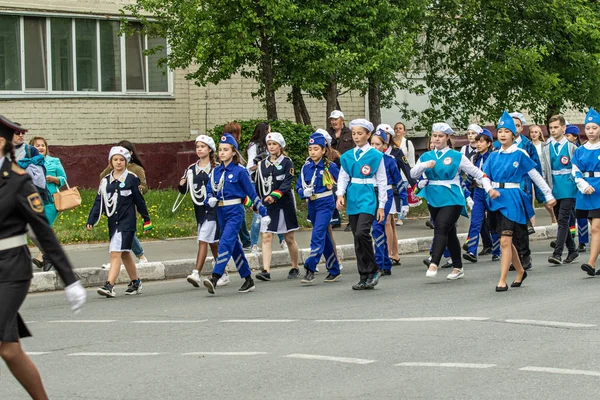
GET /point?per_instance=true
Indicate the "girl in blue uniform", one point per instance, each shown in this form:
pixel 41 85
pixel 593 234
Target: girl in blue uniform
pixel 512 207
pixel 362 170
pixel 274 177
pixel 317 178
pixel 572 135
pixel 228 187
pixel 586 168
pixel 445 199
pixel 194 181
pixel 119 197
pixel 379 141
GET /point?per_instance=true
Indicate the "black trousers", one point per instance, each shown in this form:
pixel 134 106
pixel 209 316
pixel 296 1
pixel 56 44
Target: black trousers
pixel 563 210
pixel 363 244
pixel 444 234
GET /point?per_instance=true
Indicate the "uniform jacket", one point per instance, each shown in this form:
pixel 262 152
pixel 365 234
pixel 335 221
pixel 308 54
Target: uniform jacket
pixel 281 174
pixel 136 169
pixel 21 204
pixel 545 161
pixel 200 178
pixel 310 169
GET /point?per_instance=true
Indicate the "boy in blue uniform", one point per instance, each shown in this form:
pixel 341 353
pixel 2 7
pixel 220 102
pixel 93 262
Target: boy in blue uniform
pixel 227 189
pixel 317 178
pixel 556 161
pixel 512 207
pixel 363 169
pixel 586 169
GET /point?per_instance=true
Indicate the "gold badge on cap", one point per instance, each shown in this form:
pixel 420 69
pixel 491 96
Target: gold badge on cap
pixel 35 202
pixel 5 173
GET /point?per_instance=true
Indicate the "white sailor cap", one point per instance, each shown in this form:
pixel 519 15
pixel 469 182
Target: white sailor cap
pixel 326 135
pixel 363 123
pixel 207 140
pixel 387 129
pixel 275 137
pixel 518 116
pixel 121 151
pixel 475 128
pixel 442 127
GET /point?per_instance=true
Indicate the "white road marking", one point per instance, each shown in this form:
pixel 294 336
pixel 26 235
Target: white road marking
pixel 561 371
pixel 225 353
pixel 258 320
pixel 416 319
pixel 113 354
pixel 37 353
pixel 82 321
pixel 445 365
pixel 170 322
pixel 552 324
pixel 328 358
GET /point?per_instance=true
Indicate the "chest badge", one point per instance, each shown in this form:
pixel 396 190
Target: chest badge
pixel 122 185
pixel 564 160
pixel 279 167
pixel 230 176
pixel 321 172
pixel 365 170
pixel 516 164
pixel 447 161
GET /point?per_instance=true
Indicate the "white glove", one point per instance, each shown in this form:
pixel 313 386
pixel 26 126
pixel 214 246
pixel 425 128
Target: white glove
pixel 422 183
pixel 76 295
pixel 404 211
pixel 308 192
pixel 264 223
pixel 212 202
pixel 470 203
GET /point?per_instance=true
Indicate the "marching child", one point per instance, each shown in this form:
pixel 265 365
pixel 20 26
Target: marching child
pixel 586 168
pixel 512 207
pixel 572 135
pixel 274 177
pixel 317 178
pixel 119 197
pixel 379 141
pixel 470 149
pixel 363 168
pixel 228 187
pixel 484 145
pixel 445 199
pixel 557 157
pixel 194 181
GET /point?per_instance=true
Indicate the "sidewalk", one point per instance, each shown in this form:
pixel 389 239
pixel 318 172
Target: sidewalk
pixel 175 258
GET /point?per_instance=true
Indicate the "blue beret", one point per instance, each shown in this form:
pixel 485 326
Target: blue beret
pixel 592 116
pixel 317 138
pixel 382 134
pixel 487 133
pixel 506 121
pixel 572 130
pixel 228 139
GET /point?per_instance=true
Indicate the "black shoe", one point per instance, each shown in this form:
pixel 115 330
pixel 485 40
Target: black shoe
pixel 485 251
pixel 581 248
pixel 448 265
pixel 465 246
pixel 332 278
pixel 518 284
pixel 501 288
pixel 530 228
pixel 427 261
pixel 373 279
pixel 469 257
pixel 554 259
pixel 553 244
pixel 134 287
pixel 395 261
pixel 496 258
pixel 309 277
pixel 512 267
pixel 526 263
pixel 106 290
pixel 589 269
pixel 248 286
pixel 47 266
pixel 293 274
pixel 263 276
pixel 37 263
pixel 386 272
pixel 210 284
pixel 348 228
pixel 572 256
pixel 429 224
pixel 362 285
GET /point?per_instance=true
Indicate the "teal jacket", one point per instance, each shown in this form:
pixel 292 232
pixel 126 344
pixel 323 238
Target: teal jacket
pixel 55 168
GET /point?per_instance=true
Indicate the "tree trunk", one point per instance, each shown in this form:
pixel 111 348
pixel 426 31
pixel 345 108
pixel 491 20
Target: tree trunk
pixel 267 76
pixel 551 109
pixel 374 102
pixel 331 93
pixel 300 111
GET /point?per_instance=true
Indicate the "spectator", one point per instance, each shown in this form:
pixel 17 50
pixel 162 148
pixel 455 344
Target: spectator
pixel 341 135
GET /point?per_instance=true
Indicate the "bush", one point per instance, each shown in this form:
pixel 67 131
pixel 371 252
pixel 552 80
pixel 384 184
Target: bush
pixel 296 137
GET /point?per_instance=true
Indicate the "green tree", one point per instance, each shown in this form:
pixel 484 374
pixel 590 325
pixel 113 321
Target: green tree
pixel 482 56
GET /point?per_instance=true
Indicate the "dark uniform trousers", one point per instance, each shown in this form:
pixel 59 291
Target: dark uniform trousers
pixel 363 244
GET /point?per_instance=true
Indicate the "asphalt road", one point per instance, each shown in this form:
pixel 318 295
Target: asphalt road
pixel 411 338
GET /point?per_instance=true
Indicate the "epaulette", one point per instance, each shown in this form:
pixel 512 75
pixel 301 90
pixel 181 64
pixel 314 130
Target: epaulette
pixel 18 170
pixel 131 173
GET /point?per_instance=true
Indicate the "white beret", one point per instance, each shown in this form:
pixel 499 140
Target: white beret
pixel 326 135
pixel 336 114
pixel 362 123
pixel 207 140
pixel 387 129
pixel 518 116
pixel 475 128
pixel 275 137
pixel 121 151
pixel 442 127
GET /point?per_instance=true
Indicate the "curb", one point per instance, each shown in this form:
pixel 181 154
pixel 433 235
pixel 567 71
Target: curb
pixel 175 269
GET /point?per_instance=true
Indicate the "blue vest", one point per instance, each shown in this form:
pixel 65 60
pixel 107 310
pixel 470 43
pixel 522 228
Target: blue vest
pixel 446 169
pixel 360 195
pixel 563 184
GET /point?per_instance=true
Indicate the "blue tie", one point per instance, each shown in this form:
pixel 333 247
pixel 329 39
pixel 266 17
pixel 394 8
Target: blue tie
pixel 439 153
pixel 358 152
pixel 556 147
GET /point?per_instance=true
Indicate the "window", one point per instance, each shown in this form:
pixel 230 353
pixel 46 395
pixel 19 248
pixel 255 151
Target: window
pixel 78 56
pixel 10 53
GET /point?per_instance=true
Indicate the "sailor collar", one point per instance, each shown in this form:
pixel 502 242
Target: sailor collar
pixel 277 162
pixel 121 178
